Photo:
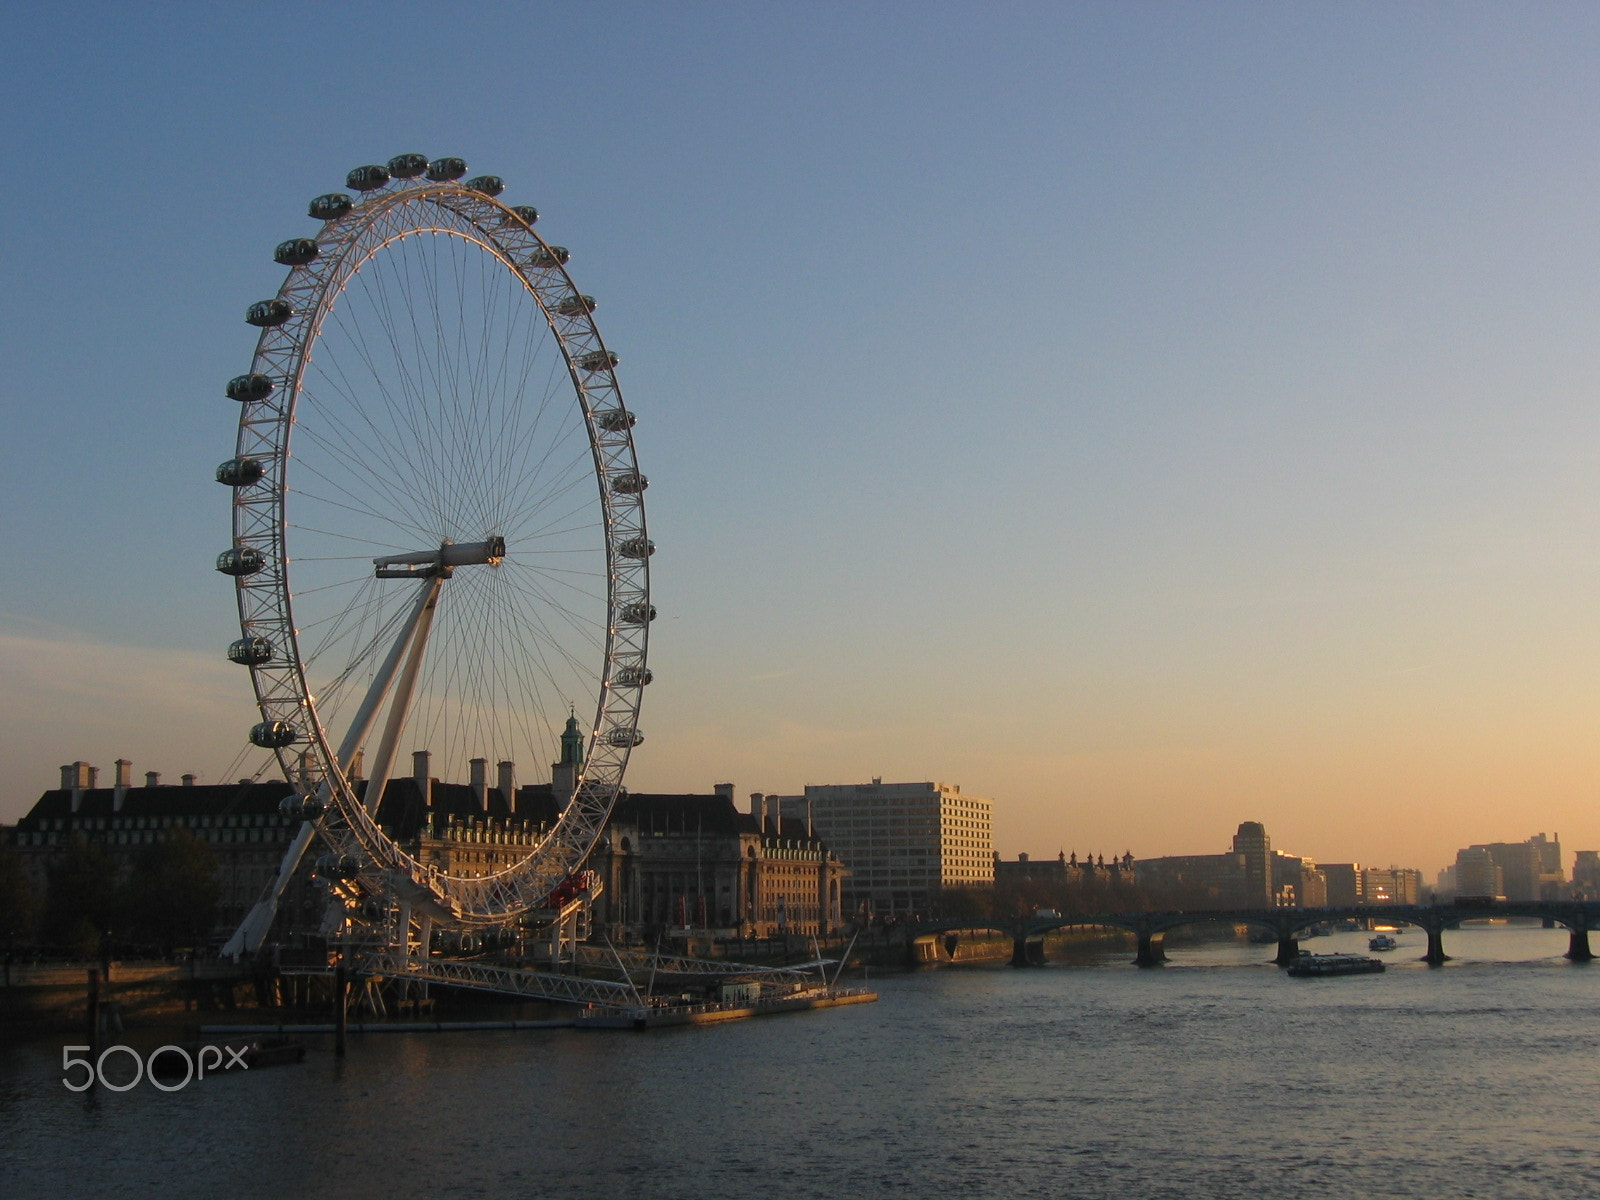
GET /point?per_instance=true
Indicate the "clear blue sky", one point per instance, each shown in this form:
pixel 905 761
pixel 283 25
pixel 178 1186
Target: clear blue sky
pixel 1151 416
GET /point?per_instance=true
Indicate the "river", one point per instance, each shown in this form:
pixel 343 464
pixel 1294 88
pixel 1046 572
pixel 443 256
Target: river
pixel 1215 1076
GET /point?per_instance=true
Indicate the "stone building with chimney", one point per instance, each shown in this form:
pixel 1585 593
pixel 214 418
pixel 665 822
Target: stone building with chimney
pixel 667 860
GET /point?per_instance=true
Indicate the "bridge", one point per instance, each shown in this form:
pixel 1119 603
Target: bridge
pixel 1578 917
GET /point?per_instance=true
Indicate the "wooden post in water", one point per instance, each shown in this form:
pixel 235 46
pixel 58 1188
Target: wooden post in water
pixel 341 1007
pixel 93 1014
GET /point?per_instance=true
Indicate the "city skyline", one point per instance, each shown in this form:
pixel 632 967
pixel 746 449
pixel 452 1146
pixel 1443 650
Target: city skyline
pixel 1148 419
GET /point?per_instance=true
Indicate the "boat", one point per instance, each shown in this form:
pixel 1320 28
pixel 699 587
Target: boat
pixel 1314 966
pixel 1382 941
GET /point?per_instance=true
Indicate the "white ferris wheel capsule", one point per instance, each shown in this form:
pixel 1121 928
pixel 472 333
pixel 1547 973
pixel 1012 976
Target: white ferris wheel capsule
pixel 453 549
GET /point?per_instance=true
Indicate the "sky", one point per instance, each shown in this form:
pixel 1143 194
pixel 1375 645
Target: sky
pixel 1147 416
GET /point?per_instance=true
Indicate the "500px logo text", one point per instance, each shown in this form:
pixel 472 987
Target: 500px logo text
pixel 163 1066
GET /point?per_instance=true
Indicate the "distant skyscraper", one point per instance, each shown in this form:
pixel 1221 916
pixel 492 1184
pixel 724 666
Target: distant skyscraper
pixel 1529 870
pixel 1586 874
pixel 1344 884
pixel 1253 845
pixel 1477 874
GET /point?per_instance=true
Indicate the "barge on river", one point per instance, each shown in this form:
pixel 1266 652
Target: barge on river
pixel 1315 966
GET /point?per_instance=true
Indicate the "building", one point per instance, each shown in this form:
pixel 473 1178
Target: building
pixel 666 860
pixel 240 822
pixel 1529 870
pixel 1444 885
pixel 1193 880
pixel 1586 874
pixel 1243 878
pixel 1344 884
pixel 903 843
pixel 695 862
pixel 1254 849
pixel 1394 885
pixel 460 828
pixel 1477 874
pixel 1062 870
pixel 1297 882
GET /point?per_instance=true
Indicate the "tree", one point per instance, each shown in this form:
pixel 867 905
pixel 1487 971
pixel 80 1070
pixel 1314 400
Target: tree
pixel 172 892
pixel 81 901
pixel 19 905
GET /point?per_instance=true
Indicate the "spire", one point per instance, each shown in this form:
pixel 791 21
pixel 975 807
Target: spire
pixel 564 774
pixel 571 742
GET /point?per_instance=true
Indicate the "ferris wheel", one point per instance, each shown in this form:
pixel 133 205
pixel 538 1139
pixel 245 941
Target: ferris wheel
pixel 439 541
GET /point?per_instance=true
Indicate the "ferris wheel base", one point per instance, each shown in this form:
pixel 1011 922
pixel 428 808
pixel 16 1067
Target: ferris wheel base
pixel 253 930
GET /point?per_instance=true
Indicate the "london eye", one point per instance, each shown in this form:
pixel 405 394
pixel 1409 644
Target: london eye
pixel 439 541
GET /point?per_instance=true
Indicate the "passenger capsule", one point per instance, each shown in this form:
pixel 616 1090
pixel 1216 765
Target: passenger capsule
pixel 325 866
pixel 625 737
pixel 296 252
pixel 349 867
pixel 576 305
pixel 250 651
pixel 241 472
pixel 636 547
pixel 527 213
pixel 331 207
pixel 488 185
pixel 247 389
pixel 268 313
pixel 368 178
pixel 274 735
pixel 441 170
pixel 240 560
pixel 614 420
pixel 597 360
pixel 633 677
pixel 408 166
pixel 549 256
pixel 289 807
pixel 638 613
pixel 311 807
pixel 629 483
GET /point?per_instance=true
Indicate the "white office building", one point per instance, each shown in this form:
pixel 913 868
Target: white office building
pixel 902 842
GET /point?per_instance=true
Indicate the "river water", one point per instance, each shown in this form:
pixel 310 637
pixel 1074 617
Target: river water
pixel 1215 1076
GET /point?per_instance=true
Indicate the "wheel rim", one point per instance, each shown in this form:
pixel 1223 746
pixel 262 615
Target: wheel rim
pixel 438 380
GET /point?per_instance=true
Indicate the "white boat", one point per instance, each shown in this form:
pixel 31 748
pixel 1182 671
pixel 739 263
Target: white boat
pixel 1382 941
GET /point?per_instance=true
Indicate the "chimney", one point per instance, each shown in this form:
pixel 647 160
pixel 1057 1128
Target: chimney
pixel 80 776
pixel 422 772
pixel 480 783
pixel 124 781
pixel 152 779
pixel 67 773
pixel 755 806
pixel 507 778
pixel 725 790
pixel 188 781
